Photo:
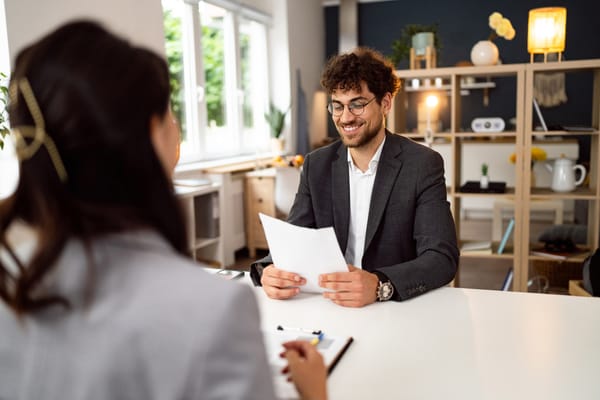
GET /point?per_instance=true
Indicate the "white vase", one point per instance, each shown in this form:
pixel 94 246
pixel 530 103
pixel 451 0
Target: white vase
pixel 485 52
pixel 278 146
pixel 484 182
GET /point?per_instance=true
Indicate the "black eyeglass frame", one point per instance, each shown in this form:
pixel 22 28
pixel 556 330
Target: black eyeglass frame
pixel 355 108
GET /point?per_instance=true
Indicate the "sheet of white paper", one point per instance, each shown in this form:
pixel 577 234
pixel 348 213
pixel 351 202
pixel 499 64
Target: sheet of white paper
pixel 329 347
pixel 305 251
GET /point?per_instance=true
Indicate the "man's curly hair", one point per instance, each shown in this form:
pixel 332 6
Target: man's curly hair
pixel 346 72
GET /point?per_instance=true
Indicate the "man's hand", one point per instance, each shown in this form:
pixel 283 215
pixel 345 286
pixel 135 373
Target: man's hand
pixel 356 288
pixel 306 369
pixel 280 284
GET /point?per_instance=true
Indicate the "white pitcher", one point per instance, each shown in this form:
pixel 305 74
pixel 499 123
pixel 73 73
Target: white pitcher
pixel 563 174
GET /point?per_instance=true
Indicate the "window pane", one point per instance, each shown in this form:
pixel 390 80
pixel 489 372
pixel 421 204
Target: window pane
pixel 253 63
pixel 219 74
pixel 219 78
pixel 172 14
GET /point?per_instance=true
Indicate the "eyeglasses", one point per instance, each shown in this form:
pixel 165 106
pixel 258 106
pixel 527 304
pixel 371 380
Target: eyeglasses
pixel 356 107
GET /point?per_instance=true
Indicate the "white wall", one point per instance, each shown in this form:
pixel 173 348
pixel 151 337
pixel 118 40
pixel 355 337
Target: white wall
pixel 279 65
pixel 4 56
pixel 306 39
pixel 138 20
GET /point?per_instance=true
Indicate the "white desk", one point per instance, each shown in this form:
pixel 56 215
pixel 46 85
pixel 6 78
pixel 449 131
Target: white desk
pixel 457 344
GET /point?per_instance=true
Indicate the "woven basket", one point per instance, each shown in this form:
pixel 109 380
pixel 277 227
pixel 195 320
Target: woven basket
pixel 559 273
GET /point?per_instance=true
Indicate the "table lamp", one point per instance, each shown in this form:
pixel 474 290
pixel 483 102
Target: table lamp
pixel 546 31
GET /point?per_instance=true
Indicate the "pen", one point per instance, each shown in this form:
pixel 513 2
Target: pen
pixel 318 339
pixel 288 328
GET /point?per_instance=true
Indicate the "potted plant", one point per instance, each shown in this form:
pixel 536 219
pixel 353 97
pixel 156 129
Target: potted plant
pixel 276 120
pixel 484 182
pixel 3 112
pixel 401 47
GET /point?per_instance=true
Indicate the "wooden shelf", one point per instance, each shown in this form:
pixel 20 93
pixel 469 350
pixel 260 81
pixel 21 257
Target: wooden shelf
pixel 447 87
pixel 509 194
pixel 548 194
pixel 506 256
pixel 492 137
pixel 523 137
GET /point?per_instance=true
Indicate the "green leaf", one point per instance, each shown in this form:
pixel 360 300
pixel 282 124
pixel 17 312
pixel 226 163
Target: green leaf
pixel 276 119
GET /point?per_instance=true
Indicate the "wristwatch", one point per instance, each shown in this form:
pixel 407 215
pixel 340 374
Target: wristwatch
pixel 385 289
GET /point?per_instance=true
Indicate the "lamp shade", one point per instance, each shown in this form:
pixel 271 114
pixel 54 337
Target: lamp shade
pixel 546 30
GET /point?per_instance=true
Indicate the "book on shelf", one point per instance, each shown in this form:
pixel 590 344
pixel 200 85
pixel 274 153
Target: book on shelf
pixel 547 254
pixel 558 255
pixel 482 247
pixel 507 232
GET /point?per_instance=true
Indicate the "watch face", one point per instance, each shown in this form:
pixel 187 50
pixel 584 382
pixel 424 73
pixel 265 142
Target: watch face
pixel 385 291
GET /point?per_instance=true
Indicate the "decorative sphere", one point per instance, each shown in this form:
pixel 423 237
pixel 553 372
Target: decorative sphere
pixel 484 52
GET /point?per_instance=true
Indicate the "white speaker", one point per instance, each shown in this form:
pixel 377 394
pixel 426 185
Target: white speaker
pixel 487 125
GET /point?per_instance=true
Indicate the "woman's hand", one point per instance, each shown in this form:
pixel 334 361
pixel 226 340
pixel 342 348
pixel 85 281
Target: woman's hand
pixel 306 369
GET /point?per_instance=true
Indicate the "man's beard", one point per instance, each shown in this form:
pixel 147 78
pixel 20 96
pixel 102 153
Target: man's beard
pixel 365 138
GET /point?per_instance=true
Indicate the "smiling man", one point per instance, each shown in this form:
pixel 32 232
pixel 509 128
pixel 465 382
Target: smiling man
pixel 384 194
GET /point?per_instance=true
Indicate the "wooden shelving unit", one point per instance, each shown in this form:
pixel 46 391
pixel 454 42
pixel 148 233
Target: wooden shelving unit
pixel 589 192
pixel 522 136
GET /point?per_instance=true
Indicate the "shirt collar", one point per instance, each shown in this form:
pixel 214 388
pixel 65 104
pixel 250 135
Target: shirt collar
pixel 372 164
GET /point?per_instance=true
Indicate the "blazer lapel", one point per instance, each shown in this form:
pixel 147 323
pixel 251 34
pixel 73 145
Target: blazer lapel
pixel 340 189
pixel 387 171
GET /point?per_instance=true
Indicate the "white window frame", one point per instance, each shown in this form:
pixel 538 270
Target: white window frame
pixel 196 148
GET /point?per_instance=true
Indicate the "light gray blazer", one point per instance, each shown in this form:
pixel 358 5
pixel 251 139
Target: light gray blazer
pixel 157 327
pixel 410 238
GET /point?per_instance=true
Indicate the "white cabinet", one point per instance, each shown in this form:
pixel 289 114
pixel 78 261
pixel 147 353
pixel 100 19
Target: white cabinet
pixel 202 210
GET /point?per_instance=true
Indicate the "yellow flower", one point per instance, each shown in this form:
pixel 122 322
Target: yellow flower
pixel 510 35
pixel 537 154
pixel 501 27
pixel 495 19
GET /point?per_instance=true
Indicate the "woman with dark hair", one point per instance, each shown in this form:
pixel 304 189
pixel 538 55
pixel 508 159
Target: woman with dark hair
pixel 108 304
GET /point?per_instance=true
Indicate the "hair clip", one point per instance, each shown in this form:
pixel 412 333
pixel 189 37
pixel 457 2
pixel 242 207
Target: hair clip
pixel 37 132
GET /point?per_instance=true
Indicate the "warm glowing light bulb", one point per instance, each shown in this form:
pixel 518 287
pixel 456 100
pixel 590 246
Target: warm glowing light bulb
pixel 431 101
pixel 546 31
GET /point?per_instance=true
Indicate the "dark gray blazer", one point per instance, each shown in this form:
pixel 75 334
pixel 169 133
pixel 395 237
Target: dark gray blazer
pixel 411 237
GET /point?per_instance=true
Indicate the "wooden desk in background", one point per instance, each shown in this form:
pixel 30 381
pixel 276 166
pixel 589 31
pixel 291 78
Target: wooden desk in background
pixel 259 193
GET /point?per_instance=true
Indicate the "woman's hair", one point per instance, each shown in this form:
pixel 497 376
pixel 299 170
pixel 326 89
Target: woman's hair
pixel 346 72
pixel 96 94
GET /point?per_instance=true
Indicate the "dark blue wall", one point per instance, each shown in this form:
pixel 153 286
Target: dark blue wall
pixel 462 23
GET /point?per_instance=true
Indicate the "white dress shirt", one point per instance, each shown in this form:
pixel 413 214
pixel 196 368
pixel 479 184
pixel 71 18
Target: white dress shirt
pixel 361 187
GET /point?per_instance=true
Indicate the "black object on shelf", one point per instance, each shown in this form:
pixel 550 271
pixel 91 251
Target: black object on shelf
pixel 475 187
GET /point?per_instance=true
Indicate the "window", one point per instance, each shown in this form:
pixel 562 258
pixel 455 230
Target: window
pixel 217 59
